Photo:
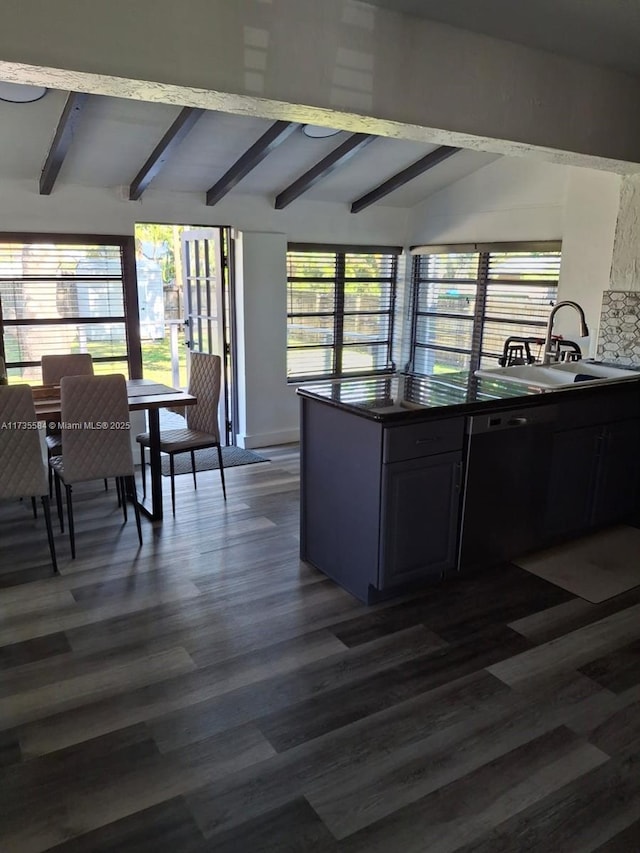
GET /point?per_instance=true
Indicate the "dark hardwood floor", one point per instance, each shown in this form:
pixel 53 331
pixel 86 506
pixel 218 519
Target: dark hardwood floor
pixel 209 692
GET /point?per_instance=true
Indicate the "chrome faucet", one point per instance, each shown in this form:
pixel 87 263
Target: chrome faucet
pixel 549 352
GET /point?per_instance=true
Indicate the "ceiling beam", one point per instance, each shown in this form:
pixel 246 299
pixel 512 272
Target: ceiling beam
pixel 277 133
pixel 62 140
pixel 337 158
pixel 163 150
pixel 401 178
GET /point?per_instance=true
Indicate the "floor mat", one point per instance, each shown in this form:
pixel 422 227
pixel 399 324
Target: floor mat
pixel 207 460
pixel 595 567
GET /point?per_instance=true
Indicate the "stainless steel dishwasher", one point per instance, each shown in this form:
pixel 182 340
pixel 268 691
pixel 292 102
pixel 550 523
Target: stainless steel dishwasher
pixel 507 462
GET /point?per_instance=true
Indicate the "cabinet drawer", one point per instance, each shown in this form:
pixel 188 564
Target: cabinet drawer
pixel 412 441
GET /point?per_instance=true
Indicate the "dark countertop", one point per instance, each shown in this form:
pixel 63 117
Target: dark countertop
pixel 402 397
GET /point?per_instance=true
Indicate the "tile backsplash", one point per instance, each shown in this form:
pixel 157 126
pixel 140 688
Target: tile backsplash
pixel 619 337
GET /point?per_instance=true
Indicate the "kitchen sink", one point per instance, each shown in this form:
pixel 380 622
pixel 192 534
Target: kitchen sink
pixel 563 375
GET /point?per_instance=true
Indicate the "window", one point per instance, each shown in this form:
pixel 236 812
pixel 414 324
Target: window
pixel 469 300
pixel 340 310
pixel 63 295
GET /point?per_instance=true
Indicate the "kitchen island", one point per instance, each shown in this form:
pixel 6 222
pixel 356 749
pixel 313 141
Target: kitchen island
pixel 407 479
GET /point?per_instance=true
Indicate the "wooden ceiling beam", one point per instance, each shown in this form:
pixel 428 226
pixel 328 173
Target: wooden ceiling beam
pixel 62 140
pixel 163 150
pixel 401 178
pixel 276 135
pixel 335 160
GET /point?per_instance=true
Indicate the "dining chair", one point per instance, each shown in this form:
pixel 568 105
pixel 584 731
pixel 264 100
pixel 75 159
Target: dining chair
pixel 54 367
pixel 22 468
pixel 202 430
pixel 95 441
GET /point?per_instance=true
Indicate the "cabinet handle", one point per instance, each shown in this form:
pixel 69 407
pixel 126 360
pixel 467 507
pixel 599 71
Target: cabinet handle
pixel 458 485
pixel 427 440
pixel 518 422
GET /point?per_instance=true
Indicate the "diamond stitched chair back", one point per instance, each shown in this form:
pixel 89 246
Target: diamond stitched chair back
pixel 22 469
pixel 54 367
pixel 95 440
pixel 205 377
pixel 202 431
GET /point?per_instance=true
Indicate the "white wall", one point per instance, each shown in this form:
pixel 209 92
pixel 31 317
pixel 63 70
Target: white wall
pixel 509 199
pixel 268 406
pixel 73 208
pixel 339 62
pixel 589 226
pixel 517 199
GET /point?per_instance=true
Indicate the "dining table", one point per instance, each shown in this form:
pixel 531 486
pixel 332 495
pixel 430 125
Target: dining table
pixel 143 394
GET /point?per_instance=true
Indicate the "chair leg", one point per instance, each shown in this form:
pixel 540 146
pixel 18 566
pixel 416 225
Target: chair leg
pixel 143 466
pixel 52 546
pixel 59 503
pixel 193 469
pixel 106 485
pixel 224 488
pixel 173 484
pixel 123 494
pixel 34 507
pixel 50 476
pixel 72 531
pixel 131 484
pixel 118 492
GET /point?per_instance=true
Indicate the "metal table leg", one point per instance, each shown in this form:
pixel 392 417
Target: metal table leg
pixel 155 512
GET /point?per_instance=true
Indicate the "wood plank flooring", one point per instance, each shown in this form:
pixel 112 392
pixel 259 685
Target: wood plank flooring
pixel 210 692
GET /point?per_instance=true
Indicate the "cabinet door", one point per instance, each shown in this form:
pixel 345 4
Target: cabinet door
pixel 570 493
pixel 420 510
pixel 616 497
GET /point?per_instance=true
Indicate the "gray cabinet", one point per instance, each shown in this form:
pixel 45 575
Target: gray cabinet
pixel 386 503
pixel 571 484
pixel 379 504
pixel 595 469
pixel 420 512
pixel 617 477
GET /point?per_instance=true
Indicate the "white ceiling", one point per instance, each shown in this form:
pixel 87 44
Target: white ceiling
pixel 114 137
pixel 601 32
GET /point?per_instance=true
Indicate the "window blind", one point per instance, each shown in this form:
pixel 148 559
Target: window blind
pixel 466 304
pixel 62 298
pixel 340 307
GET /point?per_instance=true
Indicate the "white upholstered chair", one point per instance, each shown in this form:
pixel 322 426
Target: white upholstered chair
pixel 94 447
pixel 54 367
pixel 22 470
pixel 202 428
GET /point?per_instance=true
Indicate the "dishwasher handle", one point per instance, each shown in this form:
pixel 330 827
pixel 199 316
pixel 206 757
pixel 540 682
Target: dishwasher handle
pixel 519 418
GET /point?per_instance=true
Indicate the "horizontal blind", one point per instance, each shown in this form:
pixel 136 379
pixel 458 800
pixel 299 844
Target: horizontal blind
pixel 444 307
pixel 311 307
pixel 339 312
pixel 61 299
pixel 521 288
pixel 466 304
pixel 369 291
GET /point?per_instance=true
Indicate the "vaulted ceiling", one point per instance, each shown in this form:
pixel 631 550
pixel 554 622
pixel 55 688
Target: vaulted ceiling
pixel 105 142
pixel 605 33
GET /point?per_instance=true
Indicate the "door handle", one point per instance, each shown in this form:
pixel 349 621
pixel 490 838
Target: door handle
pixel 458 484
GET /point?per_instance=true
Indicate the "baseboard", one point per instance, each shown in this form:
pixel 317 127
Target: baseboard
pixel 268 439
